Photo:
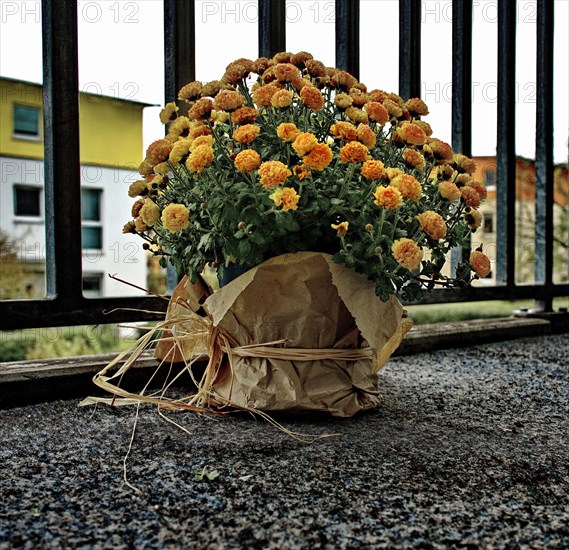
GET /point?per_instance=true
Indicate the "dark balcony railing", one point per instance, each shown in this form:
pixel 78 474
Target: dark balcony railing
pixel 65 303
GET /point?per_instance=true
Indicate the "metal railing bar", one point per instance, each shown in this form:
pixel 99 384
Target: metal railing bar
pixel 461 92
pixel 544 149
pixel 506 143
pixel 462 76
pixel 499 292
pixel 21 314
pixel 409 48
pixel 61 158
pixel 348 36
pixel 179 68
pixel 179 46
pixel 272 27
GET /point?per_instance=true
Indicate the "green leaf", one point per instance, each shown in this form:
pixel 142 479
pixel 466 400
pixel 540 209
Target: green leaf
pixel 204 473
pixel 244 249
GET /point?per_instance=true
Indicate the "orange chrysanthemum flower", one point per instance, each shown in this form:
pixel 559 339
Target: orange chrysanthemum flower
pixel 480 189
pixel 286 72
pixel 470 197
pixel 373 169
pixel 301 171
pixel 211 89
pixel 341 228
pixel 449 191
pixel 199 129
pixel 366 136
pixel 273 173
pixel 315 68
pixel 287 131
pixel 246 133
pixel 200 158
pixel 319 157
pixel 392 108
pixel 191 91
pixel 263 94
pixel 286 197
pixel 228 100
pixel 345 131
pixel 139 225
pixel 312 97
pixel 417 107
pixel 432 224
pixel 354 151
pixel 480 264
pixel 201 109
pixel 237 70
pixel 247 161
pixel 304 143
pixel 158 151
pixel 201 140
pixel 244 115
pixel 376 112
pixel 343 79
pixel 408 185
pixel 281 99
pixel 388 197
pixel 407 253
pixel 412 134
pixel 439 149
pixel 414 158
pixel 359 97
pixel 425 126
pixel 378 96
pixel 464 163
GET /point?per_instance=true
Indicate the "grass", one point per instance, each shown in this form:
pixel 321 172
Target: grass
pixel 463 311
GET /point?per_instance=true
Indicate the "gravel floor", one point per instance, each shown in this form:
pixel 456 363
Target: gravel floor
pixel 469 449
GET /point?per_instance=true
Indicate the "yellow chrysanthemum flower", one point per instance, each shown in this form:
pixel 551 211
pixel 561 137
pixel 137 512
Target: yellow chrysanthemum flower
pixel 432 224
pixel 273 173
pixel 407 253
pixel 175 217
pixel 388 197
pixel 247 161
pixel 286 197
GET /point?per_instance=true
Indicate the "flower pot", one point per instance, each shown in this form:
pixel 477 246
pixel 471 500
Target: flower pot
pixel 230 273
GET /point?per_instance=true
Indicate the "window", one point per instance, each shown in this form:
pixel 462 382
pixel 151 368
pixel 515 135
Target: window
pixel 26 121
pixel 92 285
pixel 91 228
pixel 488 223
pixel 490 176
pixel 27 201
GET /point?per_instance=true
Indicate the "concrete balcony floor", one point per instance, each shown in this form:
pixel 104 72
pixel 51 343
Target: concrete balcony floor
pixel 470 448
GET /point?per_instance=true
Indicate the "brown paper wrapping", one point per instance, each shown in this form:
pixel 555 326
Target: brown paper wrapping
pixel 311 303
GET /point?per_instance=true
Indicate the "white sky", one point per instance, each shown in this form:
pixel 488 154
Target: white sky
pixel 121 54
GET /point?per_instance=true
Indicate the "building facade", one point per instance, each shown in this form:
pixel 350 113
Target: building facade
pixel 111 147
pixel 525 218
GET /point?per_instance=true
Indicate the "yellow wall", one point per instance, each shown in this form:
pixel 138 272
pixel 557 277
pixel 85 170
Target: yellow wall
pixel 110 130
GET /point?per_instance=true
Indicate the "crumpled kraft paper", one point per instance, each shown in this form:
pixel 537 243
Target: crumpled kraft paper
pixel 312 303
